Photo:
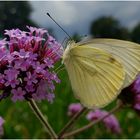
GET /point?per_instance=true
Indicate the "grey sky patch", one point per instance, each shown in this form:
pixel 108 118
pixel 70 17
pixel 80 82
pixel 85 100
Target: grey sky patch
pixel 76 16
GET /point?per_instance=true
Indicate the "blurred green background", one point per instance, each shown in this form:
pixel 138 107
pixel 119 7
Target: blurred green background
pixel 20 120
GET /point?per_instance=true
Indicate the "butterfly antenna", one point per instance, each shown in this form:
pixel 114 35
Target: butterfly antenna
pixel 59 26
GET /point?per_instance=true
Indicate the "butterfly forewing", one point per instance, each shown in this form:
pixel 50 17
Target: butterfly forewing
pixel 128 53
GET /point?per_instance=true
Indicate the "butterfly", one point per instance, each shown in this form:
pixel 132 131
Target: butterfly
pixel 100 68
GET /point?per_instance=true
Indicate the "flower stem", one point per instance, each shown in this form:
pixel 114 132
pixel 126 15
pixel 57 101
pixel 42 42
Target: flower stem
pixel 70 123
pixel 92 123
pixel 40 116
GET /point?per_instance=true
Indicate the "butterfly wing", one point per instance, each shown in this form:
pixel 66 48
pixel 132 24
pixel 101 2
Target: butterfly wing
pixel 128 53
pixel 96 77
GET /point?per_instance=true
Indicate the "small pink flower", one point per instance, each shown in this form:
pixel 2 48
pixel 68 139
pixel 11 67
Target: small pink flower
pixel 49 62
pixel 11 77
pixel 74 108
pixel 30 88
pixel 94 115
pixel 18 94
pixel 31 78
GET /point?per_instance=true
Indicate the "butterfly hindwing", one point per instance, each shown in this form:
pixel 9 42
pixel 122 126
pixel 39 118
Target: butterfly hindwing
pixel 96 77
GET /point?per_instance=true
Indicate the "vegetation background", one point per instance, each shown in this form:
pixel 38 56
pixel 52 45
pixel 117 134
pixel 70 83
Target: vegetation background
pixel 20 120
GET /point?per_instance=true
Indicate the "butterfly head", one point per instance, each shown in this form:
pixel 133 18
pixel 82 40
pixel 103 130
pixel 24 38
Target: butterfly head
pixel 66 54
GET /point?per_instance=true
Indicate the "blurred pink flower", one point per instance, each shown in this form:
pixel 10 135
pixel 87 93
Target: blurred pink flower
pixel 1 126
pixel 135 87
pixel 94 115
pixel 110 122
pixel 74 108
pixel 135 90
pixel 131 95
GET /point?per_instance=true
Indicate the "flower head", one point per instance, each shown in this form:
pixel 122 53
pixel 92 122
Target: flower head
pixel 26 66
pixel 131 95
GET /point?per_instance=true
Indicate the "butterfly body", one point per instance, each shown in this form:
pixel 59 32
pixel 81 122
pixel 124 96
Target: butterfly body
pixel 98 70
pixel 67 53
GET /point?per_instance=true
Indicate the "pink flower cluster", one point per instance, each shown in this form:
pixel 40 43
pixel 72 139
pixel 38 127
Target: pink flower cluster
pixel 135 90
pixel 27 59
pixel 131 95
pixel 110 122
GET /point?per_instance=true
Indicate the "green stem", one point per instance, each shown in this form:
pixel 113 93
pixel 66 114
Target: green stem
pixel 71 122
pixel 40 116
pixel 92 123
